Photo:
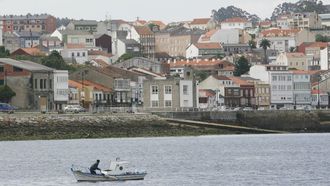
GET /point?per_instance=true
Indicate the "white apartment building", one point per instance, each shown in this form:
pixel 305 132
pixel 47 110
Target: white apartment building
pixel 301 88
pixel 236 23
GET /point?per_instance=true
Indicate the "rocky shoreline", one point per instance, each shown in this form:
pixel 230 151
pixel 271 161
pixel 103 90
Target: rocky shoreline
pixel 35 126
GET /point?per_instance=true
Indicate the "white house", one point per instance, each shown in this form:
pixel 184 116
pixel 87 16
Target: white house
pixel 224 36
pixel 57 34
pixel 301 88
pixel 75 53
pixel 234 23
pixel 280 80
pixel 200 49
pixel 61 88
pixel 203 23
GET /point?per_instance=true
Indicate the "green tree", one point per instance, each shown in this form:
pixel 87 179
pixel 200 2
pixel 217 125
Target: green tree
pixel 6 93
pixel 55 60
pixel 127 56
pixel 242 66
pixel 252 44
pixel 264 44
pixel 4 52
pixel 201 75
pixel 321 38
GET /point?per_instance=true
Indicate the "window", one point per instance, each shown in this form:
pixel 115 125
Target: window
pixel 35 83
pixel 78 54
pixel 185 89
pixel 16 69
pixel 154 89
pixel 41 84
pixel 50 84
pixel 72 54
pixel 168 89
pixel 274 78
pixel 154 104
pixel 45 83
pixel 83 54
pixel 168 103
pixel 1 69
pixel 289 78
pixel 2 81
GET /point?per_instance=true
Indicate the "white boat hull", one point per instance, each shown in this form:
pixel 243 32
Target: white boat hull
pixel 82 176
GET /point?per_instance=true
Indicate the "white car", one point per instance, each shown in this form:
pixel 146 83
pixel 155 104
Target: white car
pixel 74 108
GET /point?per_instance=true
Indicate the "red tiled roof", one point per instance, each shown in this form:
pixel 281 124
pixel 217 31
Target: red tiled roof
pixel 30 51
pixel 221 77
pixel 318 44
pixel 235 20
pixel 72 46
pixel 279 32
pixel 99 53
pixel 301 72
pixel 75 84
pixel 159 23
pixel 97 86
pixel 265 23
pixel 239 81
pixel 198 63
pixel 200 21
pixel 208 92
pixel 143 30
pixel 208 45
pixel 208 35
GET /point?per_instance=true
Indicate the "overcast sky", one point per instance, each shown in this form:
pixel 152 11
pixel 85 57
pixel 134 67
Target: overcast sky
pixel 165 10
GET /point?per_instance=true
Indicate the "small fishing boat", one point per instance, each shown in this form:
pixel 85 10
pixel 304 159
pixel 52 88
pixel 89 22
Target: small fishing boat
pixel 117 172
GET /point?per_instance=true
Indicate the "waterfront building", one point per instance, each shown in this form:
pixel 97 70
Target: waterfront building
pixel 37 87
pixel 301 87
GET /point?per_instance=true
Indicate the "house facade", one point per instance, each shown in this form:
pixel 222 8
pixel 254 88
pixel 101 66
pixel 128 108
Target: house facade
pixel 169 94
pixel 35 23
pixel 236 23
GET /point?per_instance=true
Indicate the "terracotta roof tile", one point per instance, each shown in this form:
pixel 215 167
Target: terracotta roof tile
pixel 97 86
pixel 221 77
pixel 99 53
pixel 208 45
pixel 239 81
pixel 73 46
pixel 31 51
pixel 200 21
pixel 143 30
pixel 235 20
pixel 279 32
pixel 198 63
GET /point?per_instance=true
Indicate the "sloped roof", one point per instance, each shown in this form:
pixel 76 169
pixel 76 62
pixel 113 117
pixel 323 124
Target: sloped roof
pixel 99 53
pixel 74 84
pixel 294 54
pixel 30 51
pixel 240 81
pixel 143 30
pixel 208 92
pixel 200 21
pixel 159 23
pixel 221 77
pixel 84 22
pixel 235 20
pixel 101 62
pixel 279 32
pixel 208 35
pixel 208 45
pixel 96 86
pixel 27 65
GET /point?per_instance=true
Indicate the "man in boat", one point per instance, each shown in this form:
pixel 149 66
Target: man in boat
pixel 95 167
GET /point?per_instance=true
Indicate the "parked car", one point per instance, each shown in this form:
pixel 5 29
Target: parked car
pixel 247 109
pixel 5 107
pixel 74 108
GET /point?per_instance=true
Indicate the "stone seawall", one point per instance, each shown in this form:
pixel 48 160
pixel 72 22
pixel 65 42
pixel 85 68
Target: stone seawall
pixel 274 120
pixel 26 126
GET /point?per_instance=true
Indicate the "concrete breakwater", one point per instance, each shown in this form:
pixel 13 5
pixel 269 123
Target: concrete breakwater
pixel 25 126
pixel 274 120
